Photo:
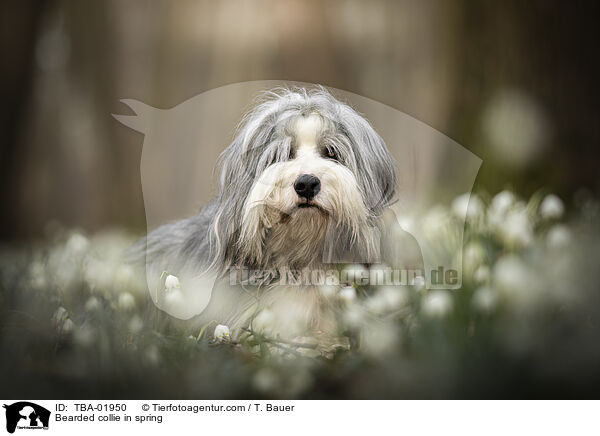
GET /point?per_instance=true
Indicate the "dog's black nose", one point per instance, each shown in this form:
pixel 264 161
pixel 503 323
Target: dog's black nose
pixel 307 186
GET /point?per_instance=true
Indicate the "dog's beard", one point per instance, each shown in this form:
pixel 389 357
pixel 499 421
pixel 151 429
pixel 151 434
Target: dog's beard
pixel 281 232
pixel 297 241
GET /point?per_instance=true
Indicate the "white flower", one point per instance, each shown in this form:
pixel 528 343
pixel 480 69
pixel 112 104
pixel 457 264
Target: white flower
pixel 418 283
pixel 388 299
pixel 171 282
pixel 482 274
pixel 77 243
pixel 347 294
pixel 263 322
pixel 376 305
pixel 502 201
pixel 513 279
pixel 124 275
pixel 92 304
pixel 467 205
pixel 437 304
pixel 136 324
pixel 485 299
pixel 98 274
pixel 517 229
pixel 67 326
pixel 558 236
pixel 436 222
pixel 460 205
pixel 551 207
pixel 222 333
pixel 474 255
pixel 511 273
pixel 60 315
pixel 126 301
pixel 354 316
pixel 62 321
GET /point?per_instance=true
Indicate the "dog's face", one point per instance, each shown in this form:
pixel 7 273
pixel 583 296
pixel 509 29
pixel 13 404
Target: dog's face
pixel 306 174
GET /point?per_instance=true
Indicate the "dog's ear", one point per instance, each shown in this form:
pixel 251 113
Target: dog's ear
pixel 235 174
pixel 235 183
pixel 375 165
pixel 385 173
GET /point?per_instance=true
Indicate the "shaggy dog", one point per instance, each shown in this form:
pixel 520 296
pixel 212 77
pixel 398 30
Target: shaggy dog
pixel 305 185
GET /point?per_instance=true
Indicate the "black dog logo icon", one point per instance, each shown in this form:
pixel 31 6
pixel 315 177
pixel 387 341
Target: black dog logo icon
pixel 26 415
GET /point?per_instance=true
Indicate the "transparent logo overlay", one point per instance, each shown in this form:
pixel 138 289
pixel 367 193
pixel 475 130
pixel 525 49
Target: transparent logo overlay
pixel 181 147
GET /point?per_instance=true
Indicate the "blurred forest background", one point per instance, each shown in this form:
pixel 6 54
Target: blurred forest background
pixel 514 82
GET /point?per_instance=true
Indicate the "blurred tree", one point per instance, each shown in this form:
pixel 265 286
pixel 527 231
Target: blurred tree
pixel 19 26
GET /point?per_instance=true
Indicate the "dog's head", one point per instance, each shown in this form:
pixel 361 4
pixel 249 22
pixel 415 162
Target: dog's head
pixel 305 176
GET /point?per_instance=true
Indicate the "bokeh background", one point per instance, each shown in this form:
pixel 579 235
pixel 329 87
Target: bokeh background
pixel 514 82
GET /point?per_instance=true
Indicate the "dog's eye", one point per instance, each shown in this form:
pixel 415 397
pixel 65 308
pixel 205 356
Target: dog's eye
pixel 330 153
